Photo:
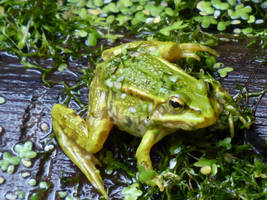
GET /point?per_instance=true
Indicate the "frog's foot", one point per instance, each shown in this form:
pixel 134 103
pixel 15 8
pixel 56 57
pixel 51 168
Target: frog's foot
pixel 190 49
pixel 143 158
pixel 150 177
pixel 158 182
pixel 246 122
pixel 84 160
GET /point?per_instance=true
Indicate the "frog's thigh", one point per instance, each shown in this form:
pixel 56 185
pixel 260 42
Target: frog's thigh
pixel 88 135
pixel 150 138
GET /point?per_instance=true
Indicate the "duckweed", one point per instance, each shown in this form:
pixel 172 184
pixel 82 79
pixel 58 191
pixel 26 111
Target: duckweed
pixel 2 180
pixel 44 127
pixel 8 160
pixel 32 182
pixel 236 13
pixel 62 194
pixel 25 150
pixel 2 100
pixel 25 174
pixel 224 71
pixel 10 169
pixel 26 163
pixel 61 37
pixel 43 185
pixel 132 192
pixel 206 170
pixel 11 196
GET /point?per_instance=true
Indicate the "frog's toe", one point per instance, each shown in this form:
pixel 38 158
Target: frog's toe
pixel 158 182
pixel 189 49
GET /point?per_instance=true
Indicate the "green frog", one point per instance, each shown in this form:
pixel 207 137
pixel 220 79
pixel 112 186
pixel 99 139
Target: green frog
pixel 139 88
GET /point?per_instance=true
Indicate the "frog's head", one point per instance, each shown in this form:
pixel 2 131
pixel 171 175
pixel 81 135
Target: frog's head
pixel 189 107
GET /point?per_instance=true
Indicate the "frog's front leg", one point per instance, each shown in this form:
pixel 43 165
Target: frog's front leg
pixel 80 138
pixel 150 138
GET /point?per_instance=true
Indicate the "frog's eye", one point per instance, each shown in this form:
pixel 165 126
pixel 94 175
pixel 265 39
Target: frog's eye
pixel 176 103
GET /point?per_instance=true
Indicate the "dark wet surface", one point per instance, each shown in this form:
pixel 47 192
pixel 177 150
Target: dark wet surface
pixel 29 102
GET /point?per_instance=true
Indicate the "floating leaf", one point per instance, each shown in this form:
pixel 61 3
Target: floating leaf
pixel 247 31
pixel 81 33
pixel 206 21
pixel 122 19
pixel 110 19
pixel 169 11
pixel 91 40
pixel 154 10
pixel 111 7
pixel 232 2
pixel 131 192
pixel 145 176
pixel 205 7
pixel 259 21
pixel 226 143
pixel 202 162
pixel 220 5
pixel 25 150
pixel 251 19
pixel 98 3
pixel 221 26
pixel 233 14
pixel 2 100
pixel 216 14
pixel 235 22
pixel 243 12
pixel 175 26
pixel 223 71
pixel 139 17
pixel 124 3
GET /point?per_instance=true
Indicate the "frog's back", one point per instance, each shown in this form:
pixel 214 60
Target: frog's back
pixel 134 84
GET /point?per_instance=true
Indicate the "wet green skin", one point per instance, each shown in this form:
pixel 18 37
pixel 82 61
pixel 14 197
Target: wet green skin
pixel 139 90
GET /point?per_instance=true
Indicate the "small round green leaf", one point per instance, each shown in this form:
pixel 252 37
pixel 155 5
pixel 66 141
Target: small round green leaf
pixel 223 71
pixel 91 40
pixel 205 6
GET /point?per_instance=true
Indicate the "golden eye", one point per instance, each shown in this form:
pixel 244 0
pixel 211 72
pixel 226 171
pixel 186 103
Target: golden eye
pixel 176 103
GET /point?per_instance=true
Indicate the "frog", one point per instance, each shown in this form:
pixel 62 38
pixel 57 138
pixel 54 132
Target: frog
pixel 140 88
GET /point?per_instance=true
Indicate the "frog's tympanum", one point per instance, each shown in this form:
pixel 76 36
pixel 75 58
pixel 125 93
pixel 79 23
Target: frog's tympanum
pixel 139 89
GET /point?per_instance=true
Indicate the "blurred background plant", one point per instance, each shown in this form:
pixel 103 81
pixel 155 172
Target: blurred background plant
pixel 65 30
pixel 246 16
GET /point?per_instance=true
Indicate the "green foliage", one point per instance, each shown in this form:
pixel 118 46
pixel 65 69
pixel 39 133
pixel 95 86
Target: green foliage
pixel 131 192
pixel 8 160
pixel 232 14
pixel 223 71
pixel 67 30
pixel 236 173
pixel 25 150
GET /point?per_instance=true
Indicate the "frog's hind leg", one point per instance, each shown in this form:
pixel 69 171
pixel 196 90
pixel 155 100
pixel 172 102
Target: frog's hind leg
pixel 77 141
pixel 150 138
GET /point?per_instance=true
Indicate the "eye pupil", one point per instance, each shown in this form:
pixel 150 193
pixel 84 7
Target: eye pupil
pixel 175 104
